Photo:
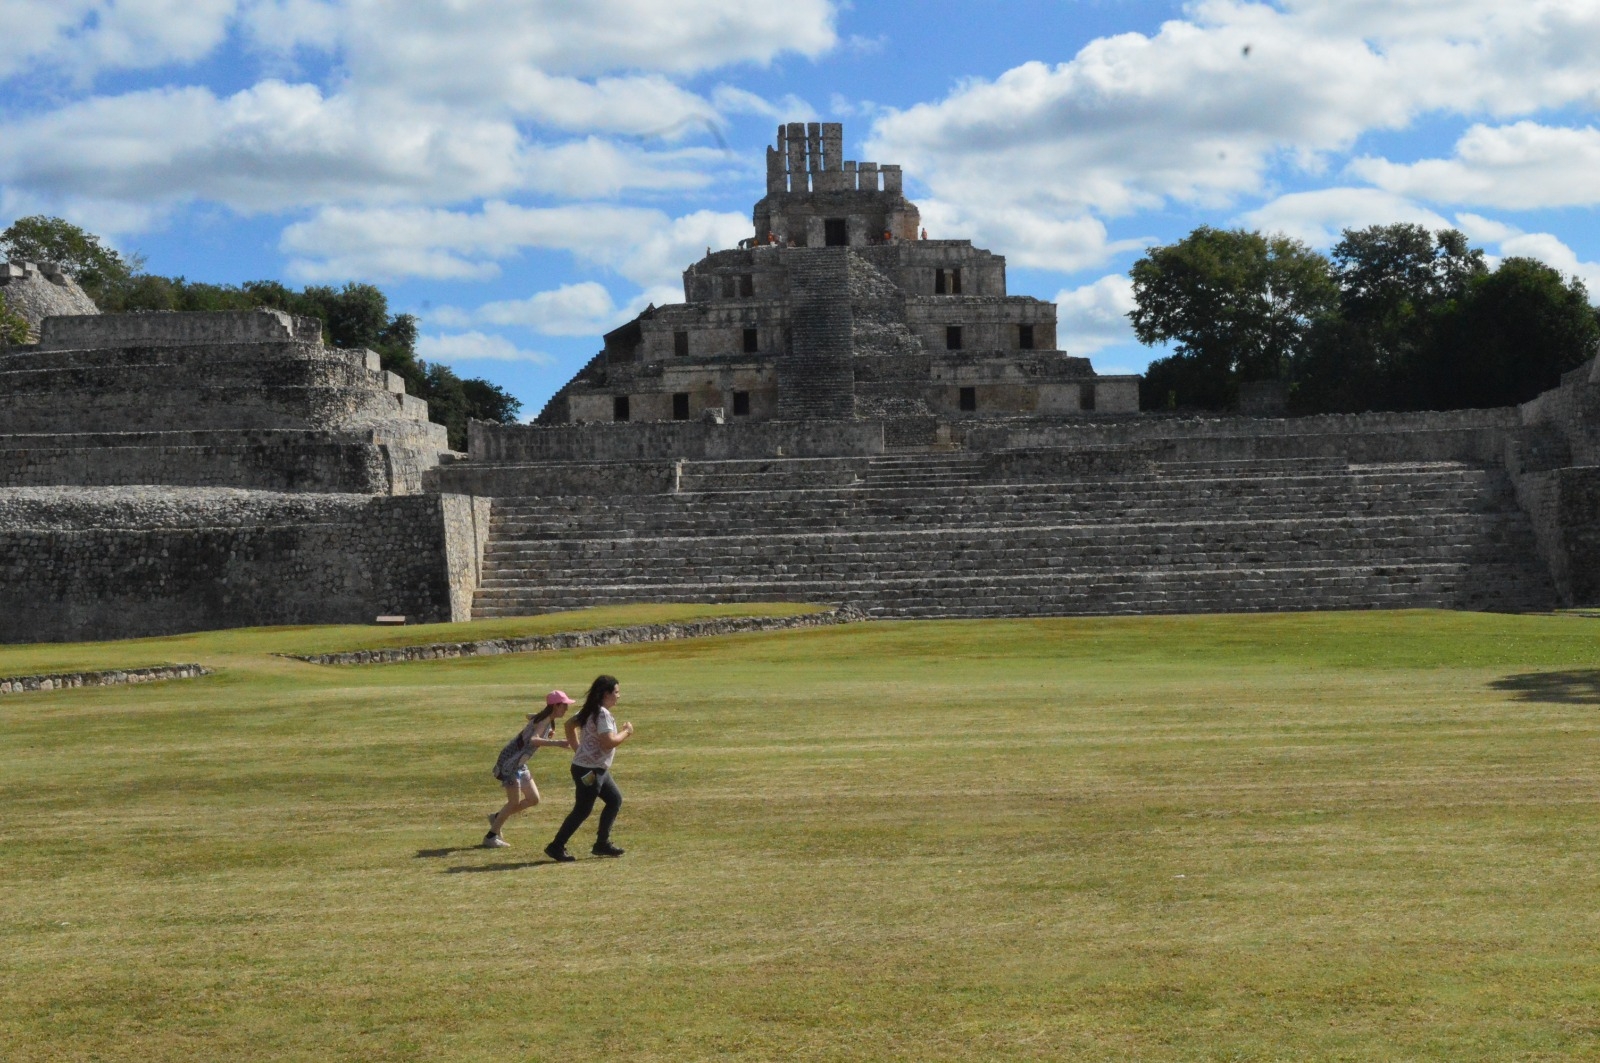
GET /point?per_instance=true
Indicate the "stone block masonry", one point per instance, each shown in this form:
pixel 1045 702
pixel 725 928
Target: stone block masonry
pixel 102 563
pixel 31 684
pixel 174 329
pixel 577 640
pixel 37 290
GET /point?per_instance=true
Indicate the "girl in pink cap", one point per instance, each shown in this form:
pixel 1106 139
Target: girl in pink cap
pixel 511 767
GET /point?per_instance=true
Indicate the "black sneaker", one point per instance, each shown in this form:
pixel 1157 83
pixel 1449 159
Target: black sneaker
pixel 558 854
pixel 606 849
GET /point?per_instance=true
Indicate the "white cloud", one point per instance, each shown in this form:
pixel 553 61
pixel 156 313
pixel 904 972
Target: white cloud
pixel 791 108
pixel 1206 110
pixel 1521 166
pixel 476 347
pixel 1319 217
pixel 1095 316
pixel 434 101
pixel 84 37
pixel 644 246
pixel 570 310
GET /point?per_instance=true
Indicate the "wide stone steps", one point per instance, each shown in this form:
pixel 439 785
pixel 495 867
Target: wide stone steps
pixel 928 536
pixel 560 518
pixel 998 551
pixel 1493 585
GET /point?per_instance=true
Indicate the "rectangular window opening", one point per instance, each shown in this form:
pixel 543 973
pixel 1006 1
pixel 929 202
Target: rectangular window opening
pixel 752 340
pixel 969 400
pixel 680 406
pixel 835 233
pixel 955 282
pixel 952 338
pixel 938 282
pixel 741 404
pixel 1086 396
pixel 1025 337
pixel 747 286
pixel 680 344
pixel 619 407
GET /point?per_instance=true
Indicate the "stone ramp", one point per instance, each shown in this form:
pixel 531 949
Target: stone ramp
pixel 926 536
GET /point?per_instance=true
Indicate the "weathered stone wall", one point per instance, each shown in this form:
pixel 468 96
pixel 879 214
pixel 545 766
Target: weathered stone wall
pixel 574 640
pixel 1555 464
pixel 264 464
pixel 1456 435
pixel 655 440
pixel 176 328
pixel 32 684
pixel 465 529
pixel 35 291
pixel 99 563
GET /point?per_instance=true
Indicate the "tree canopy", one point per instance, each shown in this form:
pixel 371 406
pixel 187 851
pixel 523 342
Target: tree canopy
pixel 98 269
pixel 355 315
pixel 1238 304
pixel 1396 318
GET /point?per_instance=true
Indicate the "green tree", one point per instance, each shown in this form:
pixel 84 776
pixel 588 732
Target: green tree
pixel 1394 281
pixel 13 326
pixel 1239 305
pixel 1510 336
pixel 98 269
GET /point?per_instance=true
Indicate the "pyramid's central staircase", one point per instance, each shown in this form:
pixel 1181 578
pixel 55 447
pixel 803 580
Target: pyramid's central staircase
pixel 933 535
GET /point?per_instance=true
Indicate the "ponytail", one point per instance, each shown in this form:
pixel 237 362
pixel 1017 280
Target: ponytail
pixel 591 703
pixel 542 715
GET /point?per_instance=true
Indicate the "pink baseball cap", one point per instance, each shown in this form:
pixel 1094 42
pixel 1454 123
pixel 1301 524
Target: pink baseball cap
pixel 557 697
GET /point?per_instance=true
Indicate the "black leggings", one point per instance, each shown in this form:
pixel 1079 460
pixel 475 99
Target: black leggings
pixel 583 804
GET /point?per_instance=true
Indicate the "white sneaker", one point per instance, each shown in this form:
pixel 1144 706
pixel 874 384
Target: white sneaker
pixel 494 841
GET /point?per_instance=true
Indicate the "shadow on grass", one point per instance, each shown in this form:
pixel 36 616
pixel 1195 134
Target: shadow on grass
pixel 468 869
pixel 1561 688
pixel 433 854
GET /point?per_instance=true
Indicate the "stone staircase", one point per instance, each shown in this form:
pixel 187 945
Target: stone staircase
pixel 815 377
pixel 928 535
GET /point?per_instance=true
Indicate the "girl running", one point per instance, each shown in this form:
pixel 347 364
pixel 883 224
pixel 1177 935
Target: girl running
pixel 595 735
pixel 511 767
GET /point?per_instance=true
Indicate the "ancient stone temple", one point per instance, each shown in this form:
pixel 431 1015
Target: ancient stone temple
pixel 839 412
pixel 836 308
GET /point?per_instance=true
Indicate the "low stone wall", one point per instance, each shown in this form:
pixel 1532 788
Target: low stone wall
pixel 27 684
pixel 555 478
pixel 283 465
pixel 572 640
pixel 631 441
pixel 99 563
pixel 1456 435
pixel 175 328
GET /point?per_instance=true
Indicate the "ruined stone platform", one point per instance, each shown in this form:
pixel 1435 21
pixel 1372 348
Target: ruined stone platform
pixel 225 399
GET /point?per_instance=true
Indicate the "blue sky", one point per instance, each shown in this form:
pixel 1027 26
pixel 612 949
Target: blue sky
pixel 524 176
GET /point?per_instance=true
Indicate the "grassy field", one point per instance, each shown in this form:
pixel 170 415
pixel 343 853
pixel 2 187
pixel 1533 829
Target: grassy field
pixel 1359 836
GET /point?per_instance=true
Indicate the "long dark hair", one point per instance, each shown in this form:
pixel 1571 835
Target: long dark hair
pixel 542 715
pixel 591 703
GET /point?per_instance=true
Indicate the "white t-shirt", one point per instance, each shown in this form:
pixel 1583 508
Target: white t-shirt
pixel 592 753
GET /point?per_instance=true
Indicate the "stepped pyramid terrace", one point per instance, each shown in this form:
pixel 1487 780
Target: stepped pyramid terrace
pixel 839 412
pixel 836 308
